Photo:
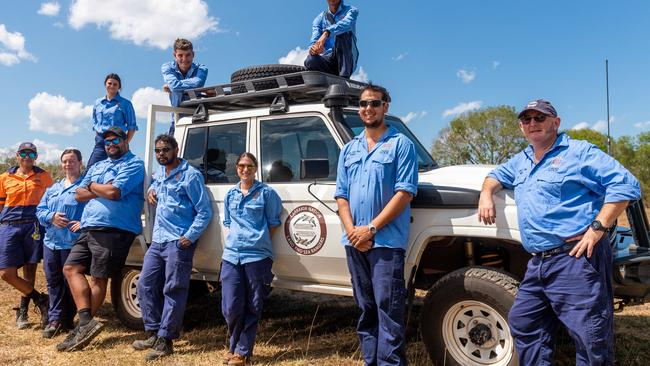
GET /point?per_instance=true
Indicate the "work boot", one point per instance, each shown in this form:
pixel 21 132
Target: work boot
pixel 67 342
pixel 142 344
pixel 227 358
pixel 22 319
pixel 163 347
pixel 238 360
pixel 53 329
pixel 42 305
pixel 85 335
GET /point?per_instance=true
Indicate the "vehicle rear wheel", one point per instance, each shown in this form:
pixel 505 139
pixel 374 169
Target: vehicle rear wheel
pixel 124 295
pixel 464 318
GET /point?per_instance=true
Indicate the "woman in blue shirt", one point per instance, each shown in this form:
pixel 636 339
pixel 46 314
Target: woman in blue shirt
pixel 59 213
pixel 252 213
pixel 111 110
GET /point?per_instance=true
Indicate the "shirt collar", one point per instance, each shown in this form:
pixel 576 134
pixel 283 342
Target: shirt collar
pixel 189 72
pixel 124 157
pixel 390 131
pixel 35 170
pixel 339 10
pixel 562 139
pixel 116 98
pixel 256 185
pixel 181 167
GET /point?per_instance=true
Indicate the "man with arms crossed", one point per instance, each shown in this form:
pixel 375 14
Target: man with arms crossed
pixel 183 211
pixel 109 224
pixel 568 194
pixel 376 180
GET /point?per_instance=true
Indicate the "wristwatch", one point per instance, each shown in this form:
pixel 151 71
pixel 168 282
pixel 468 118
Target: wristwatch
pixel 598 226
pixel 372 228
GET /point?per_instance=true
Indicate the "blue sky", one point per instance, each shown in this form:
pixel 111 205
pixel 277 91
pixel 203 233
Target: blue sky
pixel 438 58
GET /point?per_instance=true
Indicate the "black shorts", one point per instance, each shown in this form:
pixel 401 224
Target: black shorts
pixel 101 252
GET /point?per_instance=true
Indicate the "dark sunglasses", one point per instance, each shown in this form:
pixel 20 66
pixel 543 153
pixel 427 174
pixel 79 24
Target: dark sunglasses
pixel 163 150
pixel 31 154
pixel 113 141
pixel 538 118
pixel 245 166
pixel 371 102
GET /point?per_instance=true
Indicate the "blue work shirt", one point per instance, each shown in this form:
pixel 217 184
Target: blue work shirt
pixel 125 174
pixel 249 218
pixel 115 112
pixel 346 21
pixel 369 180
pixel 561 195
pixel 178 83
pixel 184 207
pixel 59 198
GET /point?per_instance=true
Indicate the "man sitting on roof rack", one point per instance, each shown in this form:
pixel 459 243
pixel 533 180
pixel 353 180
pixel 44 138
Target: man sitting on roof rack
pixel 182 74
pixel 333 45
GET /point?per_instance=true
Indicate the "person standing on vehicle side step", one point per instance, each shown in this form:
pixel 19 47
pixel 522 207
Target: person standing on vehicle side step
pixel 182 74
pixel 21 244
pixel 333 44
pixel 110 222
pixel 376 180
pixel 568 195
pixel 183 211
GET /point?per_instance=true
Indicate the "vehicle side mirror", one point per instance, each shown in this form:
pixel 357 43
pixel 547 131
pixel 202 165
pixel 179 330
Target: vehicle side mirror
pixel 314 168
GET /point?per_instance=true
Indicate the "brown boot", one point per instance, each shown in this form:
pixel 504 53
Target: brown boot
pixel 237 360
pixel 227 358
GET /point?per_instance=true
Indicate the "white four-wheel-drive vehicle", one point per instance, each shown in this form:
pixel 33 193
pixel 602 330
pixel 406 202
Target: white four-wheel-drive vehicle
pixel 296 123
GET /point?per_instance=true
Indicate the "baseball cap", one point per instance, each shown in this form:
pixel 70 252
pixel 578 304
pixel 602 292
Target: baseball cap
pixel 540 105
pixel 114 130
pixel 27 146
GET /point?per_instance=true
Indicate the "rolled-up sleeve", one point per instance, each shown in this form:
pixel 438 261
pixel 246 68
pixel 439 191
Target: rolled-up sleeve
pixel 342 188
pixel 505 173
pixel 43 212
pixel 272 207
pixel 604 175
pixel 129 115
pixel 198 195
pixel 226 211
pixel 346 24
pixel 129 177
pixel 407 168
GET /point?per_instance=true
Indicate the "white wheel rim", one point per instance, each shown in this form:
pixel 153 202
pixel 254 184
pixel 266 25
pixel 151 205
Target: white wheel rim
pixel 129 291
pixel 463 321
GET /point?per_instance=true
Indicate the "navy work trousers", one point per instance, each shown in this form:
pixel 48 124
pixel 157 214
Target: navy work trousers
pixel 574 292
pixel 163 286
pixel 99 152
pixel 342 60
pixel 244 287
pixel 378 285
pixel 62 307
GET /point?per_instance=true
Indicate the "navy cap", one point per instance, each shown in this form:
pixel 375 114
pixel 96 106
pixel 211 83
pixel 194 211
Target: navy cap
pixel 27 146
pixel 540 105
pixel 114 130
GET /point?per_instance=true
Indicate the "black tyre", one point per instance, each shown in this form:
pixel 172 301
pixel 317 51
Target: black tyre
pixel 263 71
pixel 464 318
pixel 124 297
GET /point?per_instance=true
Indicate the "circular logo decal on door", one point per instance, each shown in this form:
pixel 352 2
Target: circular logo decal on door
pixel 305 230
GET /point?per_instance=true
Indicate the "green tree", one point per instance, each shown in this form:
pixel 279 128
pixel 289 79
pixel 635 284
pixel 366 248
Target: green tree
pixel 590 135
pixel 488 136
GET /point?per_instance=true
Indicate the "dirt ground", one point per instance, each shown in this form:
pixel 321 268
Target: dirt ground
pixel 297 329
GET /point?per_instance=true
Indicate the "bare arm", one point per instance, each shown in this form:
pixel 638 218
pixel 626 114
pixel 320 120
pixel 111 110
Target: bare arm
pixel 346 217
pixel 394 208
pixel 129 135
pixel 107 191
pixel 272 230
pixel 486 211
pixel 83 195
pixel 590 238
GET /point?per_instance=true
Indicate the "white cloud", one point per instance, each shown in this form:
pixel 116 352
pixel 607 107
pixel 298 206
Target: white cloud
pixel 462 108
pixel 50 9
pixel 580 126
pixel 642 124
pixel 399 57
pixel 296 56
pixel 466 76
pixel 12 47
pixel 413 115
pixel 54 114
pixel 145 96
pixel 495 64
pixel 155 23
pixel 360 75
pixel 600 125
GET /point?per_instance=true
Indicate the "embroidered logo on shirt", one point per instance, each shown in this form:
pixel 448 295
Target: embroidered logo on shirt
pixel 556 162
pixel 178 176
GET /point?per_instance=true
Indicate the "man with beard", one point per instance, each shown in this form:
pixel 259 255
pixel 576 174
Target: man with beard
pixel 376 180
pixel 333 44
pixel 109 224
pixel 183 211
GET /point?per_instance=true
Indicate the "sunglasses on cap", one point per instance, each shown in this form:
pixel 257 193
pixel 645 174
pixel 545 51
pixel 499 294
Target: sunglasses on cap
pixel 113 141
pixel 31 154
pixel 538 118
pixel 371 102
pixel 163 150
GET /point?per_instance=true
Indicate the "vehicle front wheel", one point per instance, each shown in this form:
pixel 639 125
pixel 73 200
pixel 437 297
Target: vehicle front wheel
pixel 464 318
pixel 124 295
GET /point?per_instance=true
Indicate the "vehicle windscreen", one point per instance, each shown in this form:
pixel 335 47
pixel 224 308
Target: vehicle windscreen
pixel 425 162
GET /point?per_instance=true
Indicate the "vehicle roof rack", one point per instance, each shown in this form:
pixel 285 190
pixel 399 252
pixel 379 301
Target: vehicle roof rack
pixel 296 88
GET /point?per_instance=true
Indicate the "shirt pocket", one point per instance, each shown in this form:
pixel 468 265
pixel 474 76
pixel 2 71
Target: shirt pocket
pixel 383 164
pixel 12 188
pixel 550 187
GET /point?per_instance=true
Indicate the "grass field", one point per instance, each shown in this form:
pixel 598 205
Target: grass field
pixel 297 329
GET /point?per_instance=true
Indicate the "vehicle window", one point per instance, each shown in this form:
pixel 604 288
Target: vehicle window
pixel 225 144
pixel 286 141
pixel 355 125
pixel 194 151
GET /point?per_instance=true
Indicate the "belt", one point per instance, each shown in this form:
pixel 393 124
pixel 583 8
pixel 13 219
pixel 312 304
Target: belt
pixel 551 252
pixel 18 222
